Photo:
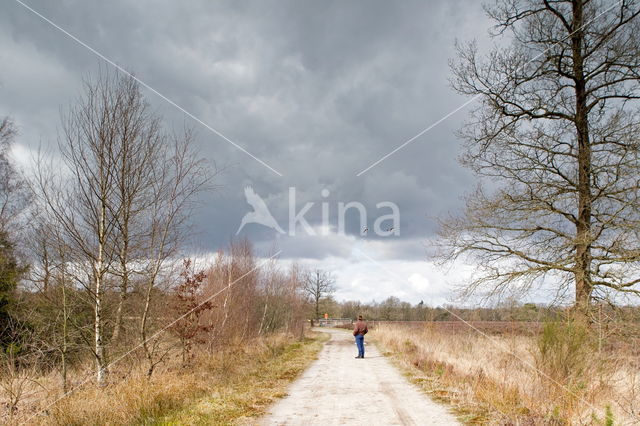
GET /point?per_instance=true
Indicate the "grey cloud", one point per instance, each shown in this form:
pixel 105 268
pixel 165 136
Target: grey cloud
pixel 318 90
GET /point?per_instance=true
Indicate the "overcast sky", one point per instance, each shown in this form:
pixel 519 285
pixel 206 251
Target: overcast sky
pixel 316 90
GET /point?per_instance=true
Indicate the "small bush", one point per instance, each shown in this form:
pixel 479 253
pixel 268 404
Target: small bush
pixel 566 352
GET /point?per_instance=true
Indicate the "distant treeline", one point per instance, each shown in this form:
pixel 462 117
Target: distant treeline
pixel 393 309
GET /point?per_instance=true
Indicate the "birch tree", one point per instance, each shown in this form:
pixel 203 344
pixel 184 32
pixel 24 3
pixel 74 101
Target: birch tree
pixel 122 201
pixel 140 152
pixel 82 199
pixel 555 130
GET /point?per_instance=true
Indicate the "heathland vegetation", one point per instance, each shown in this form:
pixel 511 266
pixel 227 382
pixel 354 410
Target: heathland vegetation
pixel 566 373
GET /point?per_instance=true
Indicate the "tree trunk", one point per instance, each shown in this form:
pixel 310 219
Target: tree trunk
pixel 65 319
pixel 124 250
pixel 46 278
pixel 99 344
pixel 124 285
pixel 143 330
pixel 583 226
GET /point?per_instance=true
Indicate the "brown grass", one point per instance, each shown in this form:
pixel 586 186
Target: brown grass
pixel 508 380
pixel 217 388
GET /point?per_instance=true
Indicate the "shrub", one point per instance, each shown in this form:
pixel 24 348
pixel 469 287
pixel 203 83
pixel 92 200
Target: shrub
pixel 566 352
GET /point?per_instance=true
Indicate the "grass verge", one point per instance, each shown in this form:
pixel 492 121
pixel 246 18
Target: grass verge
pixel 231 386
pixel 252 388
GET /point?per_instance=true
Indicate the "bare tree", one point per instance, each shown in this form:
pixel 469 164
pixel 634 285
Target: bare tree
pixel 318 284
pixel 141 153
pixel 234 278
pixel 83 200
pixel 281 299
pixel 122 201
pixel 555 132
pixel 57 314
pixel 295 301
pixel 17 383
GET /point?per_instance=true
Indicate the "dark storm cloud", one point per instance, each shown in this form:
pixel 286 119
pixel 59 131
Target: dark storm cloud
pixel 318 90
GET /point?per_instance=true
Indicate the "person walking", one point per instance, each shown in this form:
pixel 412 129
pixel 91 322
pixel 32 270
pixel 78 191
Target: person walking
pixel 359 331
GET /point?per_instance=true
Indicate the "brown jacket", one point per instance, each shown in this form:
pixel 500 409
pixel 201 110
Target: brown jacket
pixel 360 328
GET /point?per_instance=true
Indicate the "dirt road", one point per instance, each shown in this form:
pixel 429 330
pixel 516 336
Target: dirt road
pixel 340 390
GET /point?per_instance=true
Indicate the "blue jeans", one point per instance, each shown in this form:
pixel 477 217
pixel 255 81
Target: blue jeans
pixel 360 343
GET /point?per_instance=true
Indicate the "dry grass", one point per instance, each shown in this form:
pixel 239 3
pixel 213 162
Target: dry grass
pixel 249 391
pixel 218 388
pixel 507 380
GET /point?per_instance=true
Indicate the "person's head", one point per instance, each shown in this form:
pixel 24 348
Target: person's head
pixel 359 317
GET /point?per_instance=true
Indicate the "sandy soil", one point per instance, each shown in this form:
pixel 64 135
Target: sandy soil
pixel 338 389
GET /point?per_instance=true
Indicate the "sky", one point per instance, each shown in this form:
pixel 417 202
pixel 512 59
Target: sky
pixel 284 96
